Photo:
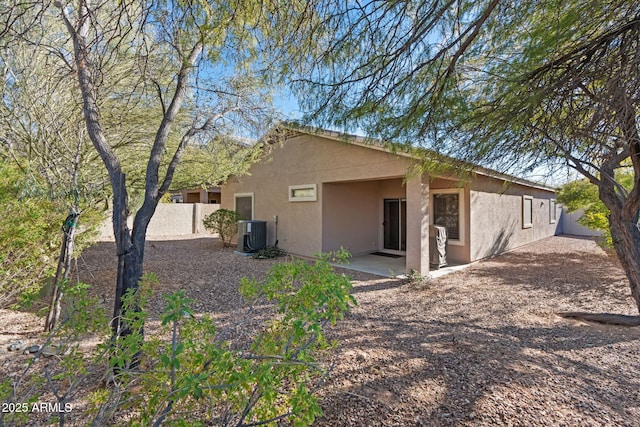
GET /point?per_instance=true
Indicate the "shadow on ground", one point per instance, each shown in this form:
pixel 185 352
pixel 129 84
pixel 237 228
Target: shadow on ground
pixel 479 347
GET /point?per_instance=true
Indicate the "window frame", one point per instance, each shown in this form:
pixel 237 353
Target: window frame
pixel 525 224
pixel 553 211
pixel 293 198
pixel 461 212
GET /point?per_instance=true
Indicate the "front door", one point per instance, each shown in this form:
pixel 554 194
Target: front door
pixel 395 227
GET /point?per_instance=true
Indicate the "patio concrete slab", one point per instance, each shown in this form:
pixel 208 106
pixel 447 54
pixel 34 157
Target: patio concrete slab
pixel 391 267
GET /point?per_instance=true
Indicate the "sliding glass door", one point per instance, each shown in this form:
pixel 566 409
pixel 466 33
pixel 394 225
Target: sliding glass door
pixel 395 228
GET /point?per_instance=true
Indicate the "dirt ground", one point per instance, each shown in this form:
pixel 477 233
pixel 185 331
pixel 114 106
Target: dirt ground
pixel 479 347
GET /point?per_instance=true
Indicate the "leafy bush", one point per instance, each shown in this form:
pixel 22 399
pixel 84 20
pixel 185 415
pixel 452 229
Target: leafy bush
pixel 30 237
pixel 196 376
pixel 191 376
pixel 582 194
pixel 224 222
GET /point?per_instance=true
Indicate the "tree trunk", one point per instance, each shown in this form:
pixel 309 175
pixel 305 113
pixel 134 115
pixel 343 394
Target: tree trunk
pixel 62 271
pixel 55 289
pixel 130 251
pixel 130 244
pixel 626 241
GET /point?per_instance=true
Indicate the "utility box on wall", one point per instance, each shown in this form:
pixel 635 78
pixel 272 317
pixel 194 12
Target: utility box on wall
pixel 252 235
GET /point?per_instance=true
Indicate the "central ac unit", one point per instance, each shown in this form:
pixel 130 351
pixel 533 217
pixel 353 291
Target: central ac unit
pixel 252 235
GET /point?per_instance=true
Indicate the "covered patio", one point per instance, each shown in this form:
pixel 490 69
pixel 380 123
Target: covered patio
pixel 387 216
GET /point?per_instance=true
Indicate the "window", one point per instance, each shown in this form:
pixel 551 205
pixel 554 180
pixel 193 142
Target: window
pixel 303 193
pixel 527 211
pixel 447 210
pixel 244 205
pixel 552 211
pixel 193 197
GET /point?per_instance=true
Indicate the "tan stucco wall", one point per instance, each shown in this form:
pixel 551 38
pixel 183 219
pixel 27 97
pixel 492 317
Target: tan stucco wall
pixel 351 184
pixel 170 219
pixel 310 159
pixel 200 211
pixel 418 224
pixel 353 212
pixel 350 214
pixel 496 216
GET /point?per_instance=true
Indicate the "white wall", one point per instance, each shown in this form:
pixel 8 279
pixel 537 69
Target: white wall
pixel 570 224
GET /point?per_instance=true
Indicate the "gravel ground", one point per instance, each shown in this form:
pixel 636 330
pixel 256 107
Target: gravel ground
pixel 485 346
pixel 480 347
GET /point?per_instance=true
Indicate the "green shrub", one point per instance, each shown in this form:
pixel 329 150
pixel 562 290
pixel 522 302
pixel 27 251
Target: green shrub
pixel 224 222
pixel 189 375
pixel 30 236
pixel 582 194
pixel 195 376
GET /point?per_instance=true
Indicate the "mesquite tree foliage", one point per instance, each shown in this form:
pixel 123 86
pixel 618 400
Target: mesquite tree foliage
pixel 510 85
pixel 183 71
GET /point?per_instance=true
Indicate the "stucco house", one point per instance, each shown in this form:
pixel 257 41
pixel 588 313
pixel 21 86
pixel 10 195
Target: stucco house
pixel 319 190
pixel 211 195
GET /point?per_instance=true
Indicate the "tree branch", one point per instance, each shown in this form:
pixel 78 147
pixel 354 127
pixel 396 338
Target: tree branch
pixel 152 195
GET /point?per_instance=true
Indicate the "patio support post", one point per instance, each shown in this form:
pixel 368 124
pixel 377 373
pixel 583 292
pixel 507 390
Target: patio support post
pixel 417 188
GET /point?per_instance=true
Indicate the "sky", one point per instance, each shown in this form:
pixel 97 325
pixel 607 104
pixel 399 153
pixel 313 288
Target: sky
pixel 286 104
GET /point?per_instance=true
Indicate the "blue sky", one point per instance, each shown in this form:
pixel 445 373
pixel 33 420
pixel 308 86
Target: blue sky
pixel 286 104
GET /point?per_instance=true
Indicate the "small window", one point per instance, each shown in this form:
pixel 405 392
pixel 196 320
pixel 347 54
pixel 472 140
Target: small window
pixel 527 211
pixel 303 193
pixel 552 211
